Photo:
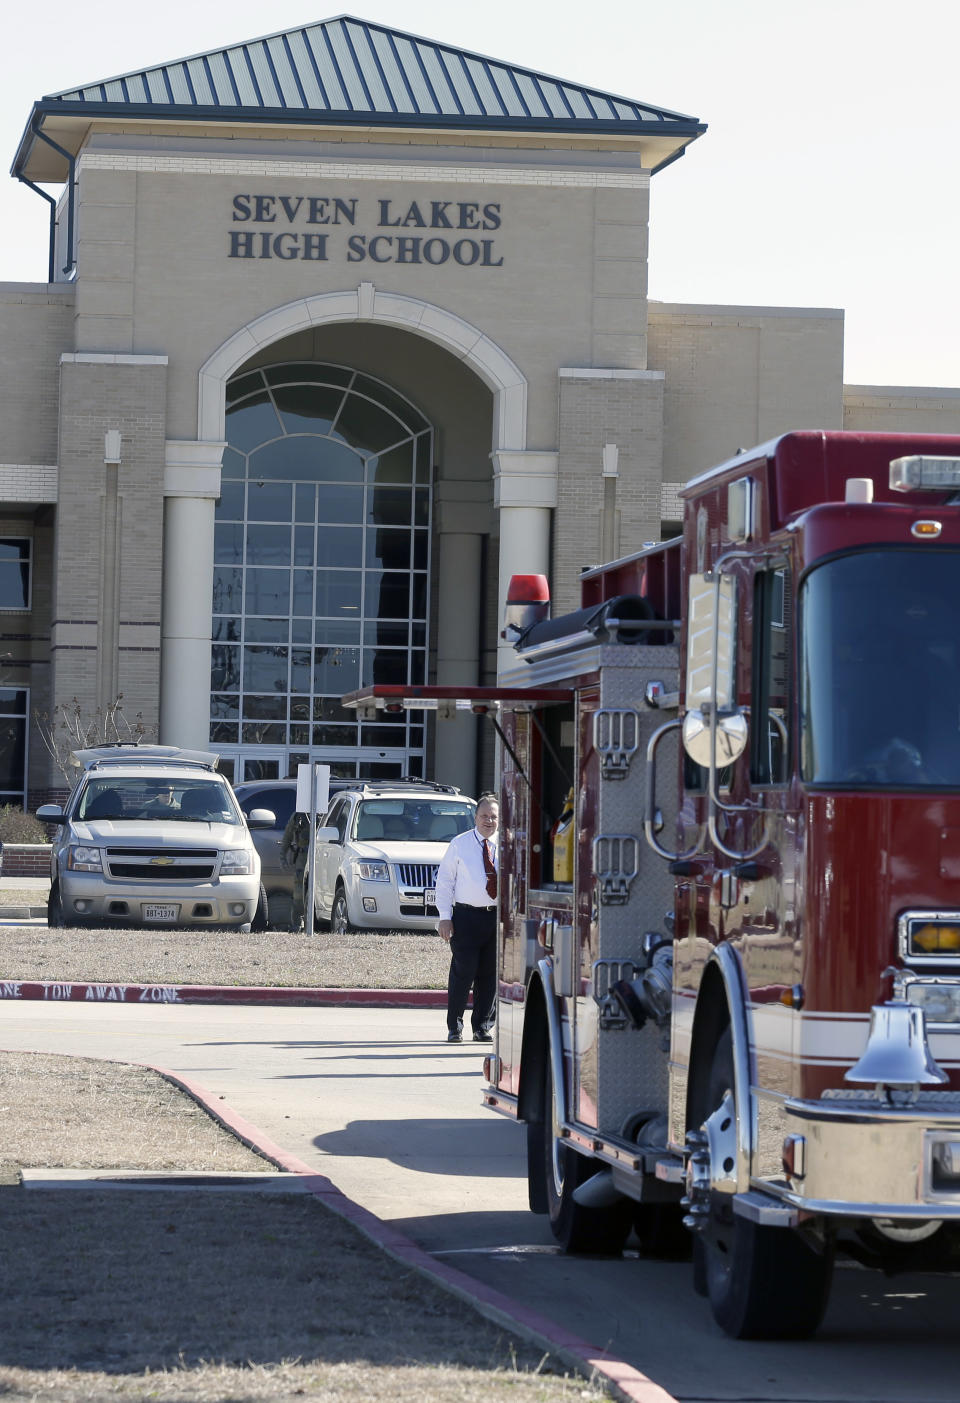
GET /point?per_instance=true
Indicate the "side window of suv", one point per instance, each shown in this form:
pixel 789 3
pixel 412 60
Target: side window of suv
pixel 337 817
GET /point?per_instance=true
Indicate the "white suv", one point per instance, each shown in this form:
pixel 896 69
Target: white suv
pixel 153 836
pixel 377 854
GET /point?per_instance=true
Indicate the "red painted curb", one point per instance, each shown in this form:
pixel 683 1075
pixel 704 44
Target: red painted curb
pixel 65 992
pixel 629 1382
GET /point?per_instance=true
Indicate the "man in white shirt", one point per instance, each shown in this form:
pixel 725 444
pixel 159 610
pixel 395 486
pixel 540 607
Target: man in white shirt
pixel 467 905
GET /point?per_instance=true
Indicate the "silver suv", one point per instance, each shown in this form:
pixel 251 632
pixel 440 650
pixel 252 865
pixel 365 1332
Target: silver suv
pixel 153 836
pixel 377 853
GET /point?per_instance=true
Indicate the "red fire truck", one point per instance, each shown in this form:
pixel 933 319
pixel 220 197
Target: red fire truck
pixel 729 982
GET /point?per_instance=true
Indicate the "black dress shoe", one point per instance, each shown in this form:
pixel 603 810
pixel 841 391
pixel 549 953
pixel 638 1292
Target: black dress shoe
pixel 482 1037
pixel 454 1037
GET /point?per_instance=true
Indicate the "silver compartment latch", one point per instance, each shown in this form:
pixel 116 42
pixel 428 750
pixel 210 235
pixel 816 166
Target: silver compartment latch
pixel 605 974
pixel 616 861
pixel 616 738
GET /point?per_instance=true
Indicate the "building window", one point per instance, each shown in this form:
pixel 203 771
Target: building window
pixel 321 567
pixel 15 561
pixel 14 710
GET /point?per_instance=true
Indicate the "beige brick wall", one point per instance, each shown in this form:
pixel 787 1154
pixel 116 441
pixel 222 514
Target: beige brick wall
pixel 737 376
pixel 109 541
pixel 36 324
pixel 625 409
pixel 896 409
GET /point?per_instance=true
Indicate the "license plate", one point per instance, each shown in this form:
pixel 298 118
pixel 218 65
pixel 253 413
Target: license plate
pixel 160 913
pixel 430 897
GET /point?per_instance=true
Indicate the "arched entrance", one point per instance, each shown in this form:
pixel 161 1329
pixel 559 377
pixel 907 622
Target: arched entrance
pixel 321 571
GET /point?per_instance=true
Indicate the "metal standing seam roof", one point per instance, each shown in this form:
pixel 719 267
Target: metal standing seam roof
pixel 349 70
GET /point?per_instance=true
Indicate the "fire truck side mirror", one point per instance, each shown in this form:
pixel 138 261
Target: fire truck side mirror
pixel 731 737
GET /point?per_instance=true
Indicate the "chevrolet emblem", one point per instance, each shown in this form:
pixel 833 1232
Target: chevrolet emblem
pixel 161 862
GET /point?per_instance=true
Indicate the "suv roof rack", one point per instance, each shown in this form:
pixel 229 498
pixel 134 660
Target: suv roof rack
pixel 130 752
pixel 372 786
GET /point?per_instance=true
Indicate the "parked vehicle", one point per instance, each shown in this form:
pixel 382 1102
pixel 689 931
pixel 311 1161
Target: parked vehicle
pixel 378 850
pixel 153 835
pixel 739 1006
pixel 279 796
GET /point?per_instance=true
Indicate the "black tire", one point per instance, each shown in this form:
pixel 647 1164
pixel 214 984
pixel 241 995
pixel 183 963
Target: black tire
pixel 554 1171
pixel 56 916
pixel 340 923
pixel 279 910
pixel 259 922
pixel 762 1283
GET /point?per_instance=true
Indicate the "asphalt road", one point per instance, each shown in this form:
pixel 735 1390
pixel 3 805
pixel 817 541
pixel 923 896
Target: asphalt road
pixel 380 1104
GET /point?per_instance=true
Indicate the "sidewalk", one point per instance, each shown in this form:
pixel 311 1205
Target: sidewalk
pixel 23 898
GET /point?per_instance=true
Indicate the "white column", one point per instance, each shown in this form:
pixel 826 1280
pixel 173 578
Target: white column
pixel 459 609
pixel 191 488
pixel 525 492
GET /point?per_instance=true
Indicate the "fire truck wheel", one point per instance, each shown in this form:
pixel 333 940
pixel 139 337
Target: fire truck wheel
pixel 660 1231
pixel 601 1232
pixel 762 1282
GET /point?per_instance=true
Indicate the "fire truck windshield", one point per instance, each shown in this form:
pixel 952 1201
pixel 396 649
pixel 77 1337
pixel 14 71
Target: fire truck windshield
pixel 880 671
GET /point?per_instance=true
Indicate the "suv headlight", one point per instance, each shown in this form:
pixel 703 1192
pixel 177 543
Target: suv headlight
pixel 84 859
pixel 237 862
pixel 374 871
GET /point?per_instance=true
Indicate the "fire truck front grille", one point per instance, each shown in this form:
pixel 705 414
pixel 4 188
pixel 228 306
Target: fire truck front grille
pixel 414 876
pixel 161 864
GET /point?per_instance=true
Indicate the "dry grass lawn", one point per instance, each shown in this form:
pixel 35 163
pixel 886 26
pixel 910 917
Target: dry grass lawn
pixel 210 1294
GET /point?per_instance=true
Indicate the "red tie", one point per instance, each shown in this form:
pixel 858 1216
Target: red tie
pixel 490 870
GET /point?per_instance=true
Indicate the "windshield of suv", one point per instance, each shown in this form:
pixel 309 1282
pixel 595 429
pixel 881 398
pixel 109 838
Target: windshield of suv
pixel 880 671
pixel 157 797
pixel 412 820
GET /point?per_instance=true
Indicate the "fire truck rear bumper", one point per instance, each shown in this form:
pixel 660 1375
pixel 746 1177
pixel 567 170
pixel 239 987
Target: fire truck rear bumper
pixel 857 1156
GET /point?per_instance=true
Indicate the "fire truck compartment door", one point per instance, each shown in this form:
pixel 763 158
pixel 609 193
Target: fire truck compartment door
pixel 449 702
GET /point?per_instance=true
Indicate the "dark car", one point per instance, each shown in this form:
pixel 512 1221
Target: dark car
pixel 279 796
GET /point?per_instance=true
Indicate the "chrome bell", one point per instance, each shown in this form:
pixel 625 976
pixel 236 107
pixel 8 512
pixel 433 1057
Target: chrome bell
pixel 897 1054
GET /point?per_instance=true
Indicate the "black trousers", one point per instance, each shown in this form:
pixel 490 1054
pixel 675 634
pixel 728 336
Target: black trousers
pixel 473 961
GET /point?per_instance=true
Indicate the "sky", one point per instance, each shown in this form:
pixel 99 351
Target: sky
pixel 827 177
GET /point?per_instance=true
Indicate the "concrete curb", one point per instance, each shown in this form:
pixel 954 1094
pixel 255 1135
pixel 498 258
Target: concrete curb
pixel 628 1383
pixel 63 991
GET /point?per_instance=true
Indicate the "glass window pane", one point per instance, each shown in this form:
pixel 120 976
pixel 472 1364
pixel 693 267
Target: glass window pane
pixel 227 590
pixel 334 735
pixel 263 733
pixel 300 673
pixel 303 545
pixel 13 740
pixel 266 631
pixel 313 372
pixel 234 464
pixel 389 506
pixel 268 592
pixel 366 425
pixel 388 549
pixel 13 701
pixel 14 573
pixel 226 630
pixel 340 546
pixel 265 669
pixel 418 593
pixel 268 501
pixel 307 458
pixel 424 455
pixel 306 503
pixel 252 422
pixel 301 630
pixel 384 665
pixel 268 545
pixel 418 666
pixel 243 385
pixel 225 668
pixel 230 505
pixel 309 409
pixel 393 467
pixel 421 507
pixel 329 709
pixel 421 550
pixel 336 670
pixel 271 708
pixel 338 591
pixel 224 733
pixel 389 398
pixel 228 542
pixel 384 735
pixel 338 631
pixel 303 593
pixel 340 502
pixel 224 706
pixel 299 735
pixel 376 631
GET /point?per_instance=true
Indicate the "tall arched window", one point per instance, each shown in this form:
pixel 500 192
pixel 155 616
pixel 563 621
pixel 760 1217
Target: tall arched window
pixel 321 570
